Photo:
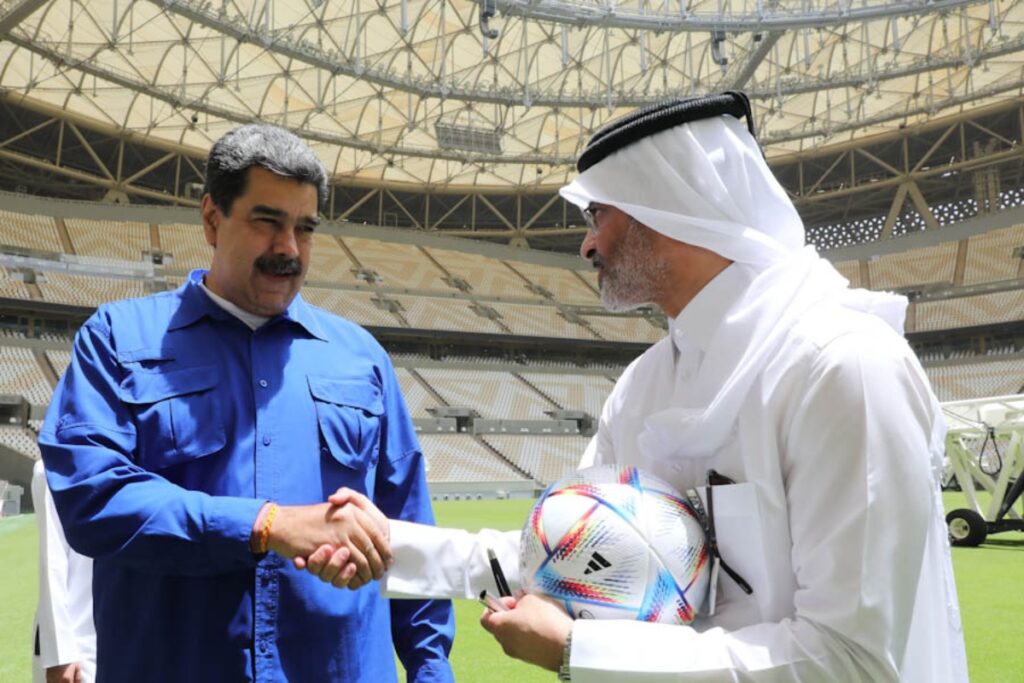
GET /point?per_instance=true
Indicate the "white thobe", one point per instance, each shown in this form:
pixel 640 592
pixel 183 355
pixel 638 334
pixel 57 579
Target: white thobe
pixel 64 619
pixel 836 521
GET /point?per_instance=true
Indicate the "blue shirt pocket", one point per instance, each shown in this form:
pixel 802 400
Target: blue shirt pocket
pixel 177 414
pixel 348 412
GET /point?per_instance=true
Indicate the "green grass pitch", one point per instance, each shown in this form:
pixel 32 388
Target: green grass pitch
pixel 988 579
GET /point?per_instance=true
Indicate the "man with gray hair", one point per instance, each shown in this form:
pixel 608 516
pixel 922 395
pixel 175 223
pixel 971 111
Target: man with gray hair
pixel 196 434
pixel 788 398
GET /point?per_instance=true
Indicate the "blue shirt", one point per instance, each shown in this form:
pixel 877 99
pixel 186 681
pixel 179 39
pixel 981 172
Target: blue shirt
pixel 172 426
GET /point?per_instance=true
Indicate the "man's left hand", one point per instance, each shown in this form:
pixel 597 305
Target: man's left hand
pixel 534 630
pixel 64 673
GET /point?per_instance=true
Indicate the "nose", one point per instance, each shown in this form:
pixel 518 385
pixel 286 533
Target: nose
pixel 286 242
pixel 588 246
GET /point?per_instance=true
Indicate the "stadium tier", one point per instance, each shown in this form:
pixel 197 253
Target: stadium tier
pixel 114 240
pixel 967 380
pixel 28 231
pixel 86 290
pixel 969 311
pixel 994 256
pixel 545 458
pixel 21 374
pixel 494 395
pixel 455 458
pixel 439 290
pixel 20 439
pixel 916 267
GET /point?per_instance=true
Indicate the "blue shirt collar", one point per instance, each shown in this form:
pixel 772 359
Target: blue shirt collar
pixel 195 305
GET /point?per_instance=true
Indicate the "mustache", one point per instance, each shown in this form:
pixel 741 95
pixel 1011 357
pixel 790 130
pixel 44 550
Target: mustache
pixel 278 264
pixel 596 261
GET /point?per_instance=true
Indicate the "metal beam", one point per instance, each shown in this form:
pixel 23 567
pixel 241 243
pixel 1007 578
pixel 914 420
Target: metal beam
pixel 743 72
pixel 827 16
pixel 238 27
pixel 11 16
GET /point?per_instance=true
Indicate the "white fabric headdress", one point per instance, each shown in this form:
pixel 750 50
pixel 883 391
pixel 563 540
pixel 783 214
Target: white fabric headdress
pixel 706 183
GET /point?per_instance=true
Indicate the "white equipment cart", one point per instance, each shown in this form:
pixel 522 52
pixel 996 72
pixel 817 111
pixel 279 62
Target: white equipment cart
pixel 985 447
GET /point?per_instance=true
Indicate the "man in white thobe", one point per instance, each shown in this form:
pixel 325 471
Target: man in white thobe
pixel 775 374
pixel 63 635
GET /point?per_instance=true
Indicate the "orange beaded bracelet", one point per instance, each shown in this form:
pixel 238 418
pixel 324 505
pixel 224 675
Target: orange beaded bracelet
pixel 265 531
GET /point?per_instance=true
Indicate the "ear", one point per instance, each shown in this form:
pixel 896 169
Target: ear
pixel 211 217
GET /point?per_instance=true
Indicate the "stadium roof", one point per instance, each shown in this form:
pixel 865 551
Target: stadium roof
pixel 501 93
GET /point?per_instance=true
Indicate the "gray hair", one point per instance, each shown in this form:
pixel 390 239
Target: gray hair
pixel 260 144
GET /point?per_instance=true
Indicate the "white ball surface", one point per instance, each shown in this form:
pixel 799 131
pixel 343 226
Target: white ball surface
pixel 612 542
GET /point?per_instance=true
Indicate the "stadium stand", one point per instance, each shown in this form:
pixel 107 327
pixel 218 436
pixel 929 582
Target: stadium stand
pixel 20 374
pixel 442 291
pixel 186 243
pixel 545 458
pixel 851 271
pixel 977 379
pixel 573 391
pixel 399 266
pixel 492 394
pixel 418 399
pixel 29 231
pixel 919 266
pixel 538 321
pixel 622 328
pixel 445 314
pixel 115 240
pixel 86 290
pixel 563 285
pixel 486 276
pixel 461 458
pixel 20 439
pixel 991 257
pixel 329 263
pixel 969 311
pixel 357 306
pixel 59 360
pixel 12 287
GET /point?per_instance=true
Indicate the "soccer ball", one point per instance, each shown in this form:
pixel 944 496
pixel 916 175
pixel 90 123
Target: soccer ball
pixel 612 542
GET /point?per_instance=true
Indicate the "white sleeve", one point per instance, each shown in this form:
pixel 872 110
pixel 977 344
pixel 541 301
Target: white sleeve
pixel 56 628
pixel 433 562
pixel 856 478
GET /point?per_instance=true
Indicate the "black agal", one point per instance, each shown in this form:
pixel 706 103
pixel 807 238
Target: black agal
pixel 658 117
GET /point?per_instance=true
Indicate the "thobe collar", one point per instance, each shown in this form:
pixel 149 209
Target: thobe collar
pixel 196 305
pixel 700 320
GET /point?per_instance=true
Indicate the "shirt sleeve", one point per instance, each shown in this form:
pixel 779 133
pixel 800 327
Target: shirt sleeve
pixel 56 630
pixel 857 483
pixel 422 630
pixel 112 508
pixel 431 562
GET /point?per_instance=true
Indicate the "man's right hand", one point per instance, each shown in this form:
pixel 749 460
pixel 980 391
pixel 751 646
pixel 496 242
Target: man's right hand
pixel 64 673
pixel 358 544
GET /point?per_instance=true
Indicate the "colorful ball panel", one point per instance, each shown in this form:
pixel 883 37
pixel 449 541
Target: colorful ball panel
pixel 612 542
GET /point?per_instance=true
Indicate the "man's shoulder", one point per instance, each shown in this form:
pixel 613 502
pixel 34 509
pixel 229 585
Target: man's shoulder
pixel 155 310
pixel 836 335
pixel 340 329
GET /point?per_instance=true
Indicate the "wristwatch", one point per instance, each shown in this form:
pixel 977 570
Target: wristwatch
pixel 563 669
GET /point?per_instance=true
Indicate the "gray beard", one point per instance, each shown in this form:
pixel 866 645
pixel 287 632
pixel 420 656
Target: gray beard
pixel 637 278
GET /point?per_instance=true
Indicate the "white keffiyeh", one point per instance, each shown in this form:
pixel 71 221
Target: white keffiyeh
pixel 706 183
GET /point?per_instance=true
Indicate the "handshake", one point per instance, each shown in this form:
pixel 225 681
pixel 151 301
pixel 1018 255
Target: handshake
pixel 344 541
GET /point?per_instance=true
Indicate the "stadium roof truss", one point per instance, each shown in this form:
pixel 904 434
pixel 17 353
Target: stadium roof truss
pixel 429 99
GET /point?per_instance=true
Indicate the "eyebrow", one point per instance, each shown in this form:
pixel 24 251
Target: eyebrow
pixel 264 210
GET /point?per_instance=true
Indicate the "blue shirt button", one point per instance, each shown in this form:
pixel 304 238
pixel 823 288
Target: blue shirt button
pixel 263 383
pixel 263 648
pixel 266 440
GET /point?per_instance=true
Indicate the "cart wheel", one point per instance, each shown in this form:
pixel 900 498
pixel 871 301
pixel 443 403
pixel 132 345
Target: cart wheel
pixel 966 528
